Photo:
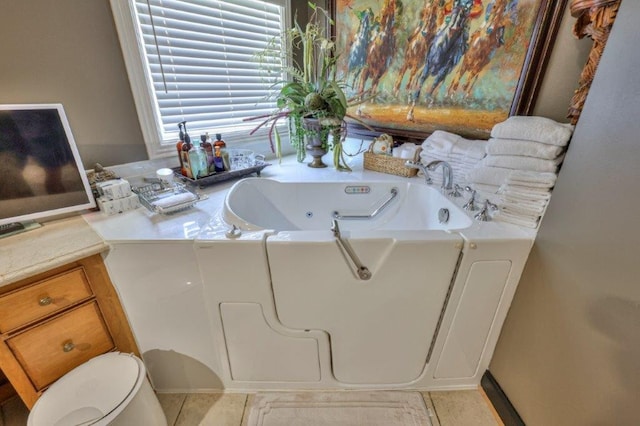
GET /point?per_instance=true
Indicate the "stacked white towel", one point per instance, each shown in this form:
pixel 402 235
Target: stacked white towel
pixel 533 144
pixel 461 154
pixel 524 197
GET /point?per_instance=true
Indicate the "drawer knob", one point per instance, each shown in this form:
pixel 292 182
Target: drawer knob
pixel 68 346
pixel 44 301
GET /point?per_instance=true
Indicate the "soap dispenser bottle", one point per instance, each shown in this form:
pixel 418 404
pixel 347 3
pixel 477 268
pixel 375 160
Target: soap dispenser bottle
pixel 185 147
pixel 197 158
pixel 179 145
pixel 219 142
pixel 208 149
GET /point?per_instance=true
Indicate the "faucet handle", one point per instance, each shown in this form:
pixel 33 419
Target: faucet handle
pixel 455 192
pixel 492 206
pixel 483 215
pixel 471 204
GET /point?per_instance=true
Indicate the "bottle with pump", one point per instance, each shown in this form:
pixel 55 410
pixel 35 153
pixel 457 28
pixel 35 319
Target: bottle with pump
pixel 183 170
pixel 185 147
pixel 219 142
pixel 208 149
pixel 197 158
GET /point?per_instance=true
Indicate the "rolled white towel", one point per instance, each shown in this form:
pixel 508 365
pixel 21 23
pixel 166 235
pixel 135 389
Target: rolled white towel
pixel 450 143
pixel 497 146
pixel 488 175
pixel 518 162
pixel 539 129
pixel 442 141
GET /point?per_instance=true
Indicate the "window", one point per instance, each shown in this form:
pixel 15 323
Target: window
pixel 194 60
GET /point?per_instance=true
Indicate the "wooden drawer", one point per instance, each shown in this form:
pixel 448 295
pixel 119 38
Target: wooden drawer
pixel 43 298
pixel 51 349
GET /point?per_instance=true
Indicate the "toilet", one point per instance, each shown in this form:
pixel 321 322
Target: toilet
pixel 110 389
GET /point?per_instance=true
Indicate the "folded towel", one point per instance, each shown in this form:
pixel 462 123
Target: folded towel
pixel 510 197
pixel 451 143
pixel 488 175
pixel 491 189
pixel 538 129
pixel 525 193
pixel 532 179
pixel 503 216
pixel 521 163
pixel 527 202
pixel 521 209
pixel 498 146
pixel 174 200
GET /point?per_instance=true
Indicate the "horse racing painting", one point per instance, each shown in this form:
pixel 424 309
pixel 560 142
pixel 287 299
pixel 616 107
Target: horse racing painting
pixel 456 65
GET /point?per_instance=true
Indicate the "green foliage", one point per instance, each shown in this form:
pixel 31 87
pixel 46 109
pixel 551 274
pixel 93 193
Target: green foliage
pixel 311 89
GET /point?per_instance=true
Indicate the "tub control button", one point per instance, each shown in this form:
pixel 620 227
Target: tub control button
pixel 233 232
pixel 443 215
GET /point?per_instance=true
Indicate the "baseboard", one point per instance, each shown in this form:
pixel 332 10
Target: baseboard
pixel 501 403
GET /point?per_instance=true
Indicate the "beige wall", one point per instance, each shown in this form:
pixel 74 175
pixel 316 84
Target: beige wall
pixel 68 51
pixel 569 353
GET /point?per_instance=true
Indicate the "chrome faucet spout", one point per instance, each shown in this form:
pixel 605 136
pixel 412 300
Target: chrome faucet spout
pixel 418 165
pixel 447 173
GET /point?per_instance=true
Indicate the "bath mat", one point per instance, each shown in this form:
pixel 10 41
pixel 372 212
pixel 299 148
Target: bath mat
pixel 347 408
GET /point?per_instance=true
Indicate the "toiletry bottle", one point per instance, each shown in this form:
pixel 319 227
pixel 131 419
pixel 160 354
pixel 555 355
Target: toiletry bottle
pixel 198 162
pixel 179 148
pixel 218 162
pixel 208 149
pixel 219 142
pixel 186 147
pixel 225 159
pixel 223 151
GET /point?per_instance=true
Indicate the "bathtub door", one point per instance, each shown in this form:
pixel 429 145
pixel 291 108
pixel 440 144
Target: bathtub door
pixel 380 329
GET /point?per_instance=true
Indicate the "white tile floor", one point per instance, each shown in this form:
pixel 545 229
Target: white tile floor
pixel 457 408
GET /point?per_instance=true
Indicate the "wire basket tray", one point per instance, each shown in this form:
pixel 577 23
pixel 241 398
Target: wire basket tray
pixel 159 199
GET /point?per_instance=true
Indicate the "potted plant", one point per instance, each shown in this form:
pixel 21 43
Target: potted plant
pixel 313 98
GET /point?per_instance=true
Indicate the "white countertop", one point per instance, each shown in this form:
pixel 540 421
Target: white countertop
pixel 200 221
pixel 54 244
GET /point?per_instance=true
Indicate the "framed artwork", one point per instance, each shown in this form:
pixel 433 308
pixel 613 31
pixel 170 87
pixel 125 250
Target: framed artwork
pixel 455 65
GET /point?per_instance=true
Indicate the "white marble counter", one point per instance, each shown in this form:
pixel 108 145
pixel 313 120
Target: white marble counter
pixel 54 244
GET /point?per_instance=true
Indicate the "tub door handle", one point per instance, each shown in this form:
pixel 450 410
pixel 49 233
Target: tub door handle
pixel 362 271
pixel 394 193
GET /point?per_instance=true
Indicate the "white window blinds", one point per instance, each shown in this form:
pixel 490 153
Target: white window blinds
pixel 202 64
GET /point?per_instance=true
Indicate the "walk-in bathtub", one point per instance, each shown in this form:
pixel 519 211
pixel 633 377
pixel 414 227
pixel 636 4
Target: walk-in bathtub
pixel 295 311
pixel 271 293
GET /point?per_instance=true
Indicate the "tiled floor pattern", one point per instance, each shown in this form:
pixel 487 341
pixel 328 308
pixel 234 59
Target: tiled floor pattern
pixel 458 408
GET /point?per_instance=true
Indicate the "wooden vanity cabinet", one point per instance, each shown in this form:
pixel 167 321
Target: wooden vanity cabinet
pixel 52 322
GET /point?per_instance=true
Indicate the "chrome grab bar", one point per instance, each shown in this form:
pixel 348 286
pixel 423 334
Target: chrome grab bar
pixel 394 193
pixel 362 271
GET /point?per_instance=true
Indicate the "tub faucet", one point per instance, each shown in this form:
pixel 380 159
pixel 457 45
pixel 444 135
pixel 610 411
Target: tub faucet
pixel 447 173
pixel 418 165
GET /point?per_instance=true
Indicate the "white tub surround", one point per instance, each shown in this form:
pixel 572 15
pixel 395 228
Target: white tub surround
pixel 280 306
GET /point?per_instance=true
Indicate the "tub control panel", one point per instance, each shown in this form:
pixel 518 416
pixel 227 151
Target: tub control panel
pixel 357 189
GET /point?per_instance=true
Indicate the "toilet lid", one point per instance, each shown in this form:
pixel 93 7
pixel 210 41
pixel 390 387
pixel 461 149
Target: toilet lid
pixel 89 392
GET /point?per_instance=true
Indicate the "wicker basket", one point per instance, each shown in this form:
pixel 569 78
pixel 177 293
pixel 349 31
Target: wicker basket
pixel 388 164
